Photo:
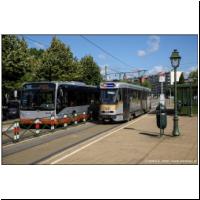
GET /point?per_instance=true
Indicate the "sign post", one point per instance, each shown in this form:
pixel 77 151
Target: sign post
pixel 161 80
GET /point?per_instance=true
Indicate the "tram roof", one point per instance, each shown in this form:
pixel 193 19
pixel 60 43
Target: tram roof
pixel 113 85
pixel 73 83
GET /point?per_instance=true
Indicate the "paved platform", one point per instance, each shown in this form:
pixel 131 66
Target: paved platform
pixel 140 143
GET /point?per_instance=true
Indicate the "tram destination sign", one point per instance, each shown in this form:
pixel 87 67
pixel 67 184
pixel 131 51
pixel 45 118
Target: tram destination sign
pixel 108 85
pixel 42 86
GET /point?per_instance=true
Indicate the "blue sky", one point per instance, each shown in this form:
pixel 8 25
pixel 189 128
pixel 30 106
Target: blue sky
pixel 149 52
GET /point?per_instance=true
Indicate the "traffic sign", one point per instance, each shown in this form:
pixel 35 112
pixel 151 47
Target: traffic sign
pixel 162 78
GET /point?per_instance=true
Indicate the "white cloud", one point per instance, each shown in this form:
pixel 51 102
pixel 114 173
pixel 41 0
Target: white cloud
pixel 190 69
pixel 157 69
pixel 153 45
pixel 38 45
pixel 102 56
pixel 141 53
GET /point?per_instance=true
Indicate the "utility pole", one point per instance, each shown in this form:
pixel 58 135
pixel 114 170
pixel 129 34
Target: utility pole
pixel 106 68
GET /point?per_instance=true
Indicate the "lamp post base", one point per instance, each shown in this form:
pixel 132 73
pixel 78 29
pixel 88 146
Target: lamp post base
pixel 176 131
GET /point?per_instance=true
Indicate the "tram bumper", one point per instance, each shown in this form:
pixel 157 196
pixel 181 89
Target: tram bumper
pixel 107 117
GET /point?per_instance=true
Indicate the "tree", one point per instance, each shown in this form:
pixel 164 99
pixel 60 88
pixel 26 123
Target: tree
pixel 36 53
pixel 147 83
pixel 90 71
pixel 36 56
pixel 181 79
pixel 57 62
pixel 15 62
pixel 194 76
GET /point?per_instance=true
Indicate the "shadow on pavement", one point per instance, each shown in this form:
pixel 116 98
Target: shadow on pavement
pixel 168 135
pixel 130 128
pixel 170 111
pixel 144 133
pixel 150 134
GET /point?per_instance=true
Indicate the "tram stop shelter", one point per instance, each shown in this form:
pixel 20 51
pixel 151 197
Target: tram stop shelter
pixel 187 98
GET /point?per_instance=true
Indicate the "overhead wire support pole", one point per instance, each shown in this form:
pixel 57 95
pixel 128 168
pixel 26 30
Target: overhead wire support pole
pixel 106 68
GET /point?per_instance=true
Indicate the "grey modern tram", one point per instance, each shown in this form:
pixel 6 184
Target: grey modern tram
pixel 121 101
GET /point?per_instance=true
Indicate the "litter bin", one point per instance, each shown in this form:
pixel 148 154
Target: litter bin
pixel 161 116
pixel 179 105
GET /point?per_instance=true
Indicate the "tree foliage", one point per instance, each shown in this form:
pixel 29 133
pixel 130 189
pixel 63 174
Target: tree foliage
pixel 15 61
pixel 57 63
pixel 194 76
pixel 181 79
pixel 147 83
pixel 90 71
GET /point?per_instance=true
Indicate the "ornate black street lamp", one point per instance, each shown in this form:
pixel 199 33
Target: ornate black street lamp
pixel 175 61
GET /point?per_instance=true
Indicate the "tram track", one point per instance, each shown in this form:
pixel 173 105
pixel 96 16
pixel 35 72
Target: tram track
pixel 39 149
pixel 70 146
pixel 30 142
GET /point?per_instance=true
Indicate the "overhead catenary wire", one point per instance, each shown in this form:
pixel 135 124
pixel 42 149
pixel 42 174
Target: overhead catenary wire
pixel 102 49
pixel 35 41
pixel 91 42
pixel 43 44
pixel 114 57
pixel 105 51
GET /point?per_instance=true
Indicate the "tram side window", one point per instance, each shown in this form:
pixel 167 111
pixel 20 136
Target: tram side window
pixel 72 98
pixel 82 98
pixel 64 99
pixel 135 96
pixel 145 95
pixel 124 94
pixel 78 97
pixel 142 95
pixel 59 101
pixel 96 96
pixel 128 94
pixel 139 96
pixel 91 97
pixel 131 95
pixel 120 94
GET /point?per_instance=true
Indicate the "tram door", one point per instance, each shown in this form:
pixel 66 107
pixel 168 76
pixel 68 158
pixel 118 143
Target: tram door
pixel 126 101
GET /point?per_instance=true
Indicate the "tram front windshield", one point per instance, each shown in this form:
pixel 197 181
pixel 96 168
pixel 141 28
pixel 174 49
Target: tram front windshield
pixel 109 96
pixel 38 98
